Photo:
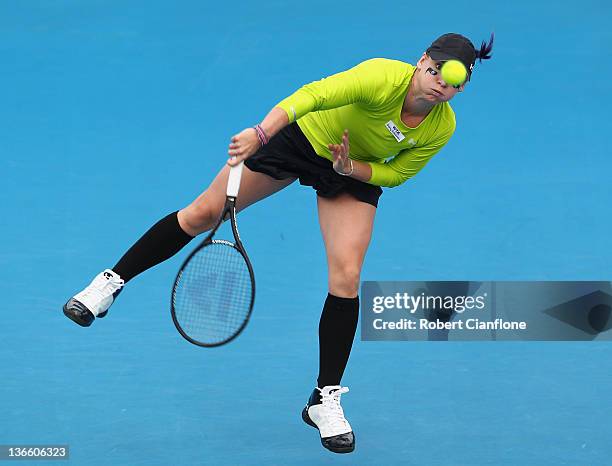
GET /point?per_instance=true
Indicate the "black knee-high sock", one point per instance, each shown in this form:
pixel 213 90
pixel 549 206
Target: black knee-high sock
pixel 336 333
pixel 161 242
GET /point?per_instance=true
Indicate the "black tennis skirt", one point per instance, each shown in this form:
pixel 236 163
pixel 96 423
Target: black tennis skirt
pixel 289 154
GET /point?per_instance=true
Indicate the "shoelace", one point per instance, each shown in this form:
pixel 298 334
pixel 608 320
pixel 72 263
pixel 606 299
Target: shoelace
pixel 331 401
pixel 103 287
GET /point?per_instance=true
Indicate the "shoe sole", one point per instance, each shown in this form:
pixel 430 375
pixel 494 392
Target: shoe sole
pixel 307 420
pixel 75 319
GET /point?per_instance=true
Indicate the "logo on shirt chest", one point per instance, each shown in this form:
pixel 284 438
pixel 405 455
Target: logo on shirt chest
pixel 394 130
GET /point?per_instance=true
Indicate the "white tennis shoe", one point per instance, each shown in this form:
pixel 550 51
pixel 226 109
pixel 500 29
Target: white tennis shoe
pixel 94 300
pixel 324 412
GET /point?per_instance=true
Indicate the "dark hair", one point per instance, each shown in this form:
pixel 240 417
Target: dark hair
pixel 485 49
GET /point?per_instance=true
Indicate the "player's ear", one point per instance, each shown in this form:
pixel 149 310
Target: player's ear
pixel 422 60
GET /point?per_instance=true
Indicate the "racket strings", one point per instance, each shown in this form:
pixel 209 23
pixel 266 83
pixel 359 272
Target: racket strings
pixel 212 298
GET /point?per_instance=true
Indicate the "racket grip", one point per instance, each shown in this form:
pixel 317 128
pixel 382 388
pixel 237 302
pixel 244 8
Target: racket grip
pixel 233 183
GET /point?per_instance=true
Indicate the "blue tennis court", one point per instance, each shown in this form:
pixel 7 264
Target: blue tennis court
pixel 116 113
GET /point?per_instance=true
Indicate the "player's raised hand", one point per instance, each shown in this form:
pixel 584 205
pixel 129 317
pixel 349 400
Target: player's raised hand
pixel 340 154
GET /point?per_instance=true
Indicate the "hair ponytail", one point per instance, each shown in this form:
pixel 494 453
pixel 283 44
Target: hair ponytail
pixel 485 49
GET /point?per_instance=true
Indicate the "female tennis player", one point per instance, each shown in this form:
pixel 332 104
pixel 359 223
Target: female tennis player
pixel 347 135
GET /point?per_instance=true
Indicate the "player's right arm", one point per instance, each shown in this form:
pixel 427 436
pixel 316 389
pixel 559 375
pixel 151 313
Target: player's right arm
pixel 246 143
pixel 358 84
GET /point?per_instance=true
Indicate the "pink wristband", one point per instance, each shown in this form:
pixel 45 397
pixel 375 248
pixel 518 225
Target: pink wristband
pixel 263 139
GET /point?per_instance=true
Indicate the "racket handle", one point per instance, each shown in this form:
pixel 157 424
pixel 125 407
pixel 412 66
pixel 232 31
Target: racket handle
pixel 233 183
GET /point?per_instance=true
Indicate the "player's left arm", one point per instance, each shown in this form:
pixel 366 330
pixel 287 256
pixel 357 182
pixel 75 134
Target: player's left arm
pixel 391 173
pixel 404 165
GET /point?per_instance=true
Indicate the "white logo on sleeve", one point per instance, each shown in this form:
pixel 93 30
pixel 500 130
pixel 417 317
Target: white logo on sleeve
pixel 412 142
pixel 394 130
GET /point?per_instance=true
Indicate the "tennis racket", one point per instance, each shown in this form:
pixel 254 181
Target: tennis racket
pixel 214 290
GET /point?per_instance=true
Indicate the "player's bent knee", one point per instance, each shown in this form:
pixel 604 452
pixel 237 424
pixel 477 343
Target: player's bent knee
pixel 199 217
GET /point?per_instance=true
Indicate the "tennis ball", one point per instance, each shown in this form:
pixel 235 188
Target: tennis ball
pixel 454 72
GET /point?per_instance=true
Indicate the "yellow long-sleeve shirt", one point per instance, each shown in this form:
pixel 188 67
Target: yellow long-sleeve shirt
pixel 367 100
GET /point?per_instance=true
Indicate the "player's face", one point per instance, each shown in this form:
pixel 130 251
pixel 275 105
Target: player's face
pixel 431 84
